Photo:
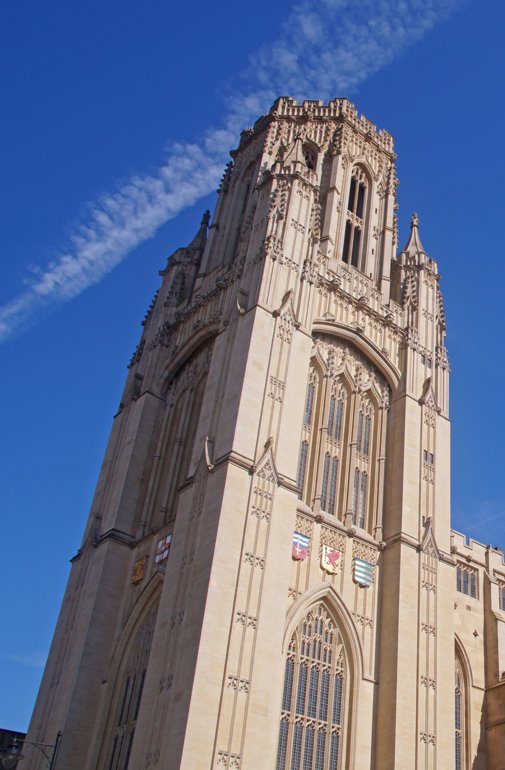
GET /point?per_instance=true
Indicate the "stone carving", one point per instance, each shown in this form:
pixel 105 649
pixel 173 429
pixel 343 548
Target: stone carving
pixel 304 525
pixel 363 620
pixel 276 391
pixel 410 291
pixel 254 561
pixel 236 683
pixel 225 759
pixel 366 552
pixel 248 621
pixel 279 201
pixel 333 538
pixel 339 357
pixel 286 326
pixel 226 178
pixel 177 618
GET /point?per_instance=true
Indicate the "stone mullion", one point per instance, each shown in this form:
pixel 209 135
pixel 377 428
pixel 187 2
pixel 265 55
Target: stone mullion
pixel 352 455
pixel 320 431
pixel 381 471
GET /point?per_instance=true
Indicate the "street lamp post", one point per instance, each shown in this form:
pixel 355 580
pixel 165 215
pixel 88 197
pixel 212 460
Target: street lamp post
pixel 13 753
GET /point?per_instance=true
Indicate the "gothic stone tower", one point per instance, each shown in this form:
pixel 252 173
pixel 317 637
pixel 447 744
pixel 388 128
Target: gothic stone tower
pixel 267 578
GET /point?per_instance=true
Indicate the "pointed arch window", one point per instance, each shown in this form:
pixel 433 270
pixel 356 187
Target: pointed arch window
pixel 309 404
pixel 501 596
pixel 312 716
pixel 466 580
pixel 308 439
pixel 363 438
pixel 360 491
pixel 302 464
pixel 459 717
pixel 335 415
pixel 130 695
pixel 310 157
pixel 329 484
pixel 355 220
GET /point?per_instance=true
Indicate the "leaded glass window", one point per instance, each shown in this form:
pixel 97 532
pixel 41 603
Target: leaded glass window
pixel 501 593
pixel 326 476
pixel 359 499
pixel 364 427
pixel 302 464
pixel 459 717
pixel 309 403
pixel 333 486
pixel 313 696
pixel 466 580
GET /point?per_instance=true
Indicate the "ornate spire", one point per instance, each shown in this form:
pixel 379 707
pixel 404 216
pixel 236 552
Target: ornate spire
pixel 295 152
pixel 414 245
pixel 198 242
pixel 192 253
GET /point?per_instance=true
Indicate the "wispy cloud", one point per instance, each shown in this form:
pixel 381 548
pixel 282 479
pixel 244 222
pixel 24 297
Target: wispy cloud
pixel 326 48
pixel 32 660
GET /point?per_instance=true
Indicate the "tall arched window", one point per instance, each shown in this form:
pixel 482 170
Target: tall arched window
pixel 355 220
pixel 343 436
pixel 173 453
pixel 240 205
pixel 309 436
pixel 359 498
pixel 130 694
pixel 313 713
pixel 459 716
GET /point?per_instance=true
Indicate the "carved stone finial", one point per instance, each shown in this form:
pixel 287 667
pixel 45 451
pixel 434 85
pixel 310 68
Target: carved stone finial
pixel 414 247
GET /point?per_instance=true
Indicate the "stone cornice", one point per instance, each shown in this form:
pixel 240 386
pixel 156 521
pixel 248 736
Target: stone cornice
pixel 401 538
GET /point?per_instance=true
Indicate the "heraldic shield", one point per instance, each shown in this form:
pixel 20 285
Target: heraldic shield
pixel 300 547
pixel 330 559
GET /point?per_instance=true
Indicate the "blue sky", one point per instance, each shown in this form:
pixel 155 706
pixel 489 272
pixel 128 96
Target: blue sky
pixel 117 118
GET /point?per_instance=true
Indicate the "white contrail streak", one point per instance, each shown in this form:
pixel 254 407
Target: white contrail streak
pixel 326 48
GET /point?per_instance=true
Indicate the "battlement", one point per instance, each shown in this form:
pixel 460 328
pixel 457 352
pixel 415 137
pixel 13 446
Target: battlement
pixel 474 551
pixel 315 109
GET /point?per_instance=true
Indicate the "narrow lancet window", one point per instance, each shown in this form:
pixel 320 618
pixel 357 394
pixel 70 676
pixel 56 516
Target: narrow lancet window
pixel 355 222
pixel 359 499
pixel 459 717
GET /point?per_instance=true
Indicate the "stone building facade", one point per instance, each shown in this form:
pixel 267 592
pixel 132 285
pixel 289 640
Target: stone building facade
pixel 268 577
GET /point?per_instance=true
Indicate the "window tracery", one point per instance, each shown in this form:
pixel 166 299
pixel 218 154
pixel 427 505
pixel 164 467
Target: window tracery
pixel 312 715
pixel 466 580
pixel 344 426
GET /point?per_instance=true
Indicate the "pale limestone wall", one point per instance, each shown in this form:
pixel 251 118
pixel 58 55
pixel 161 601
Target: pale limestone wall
pixel 266 293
